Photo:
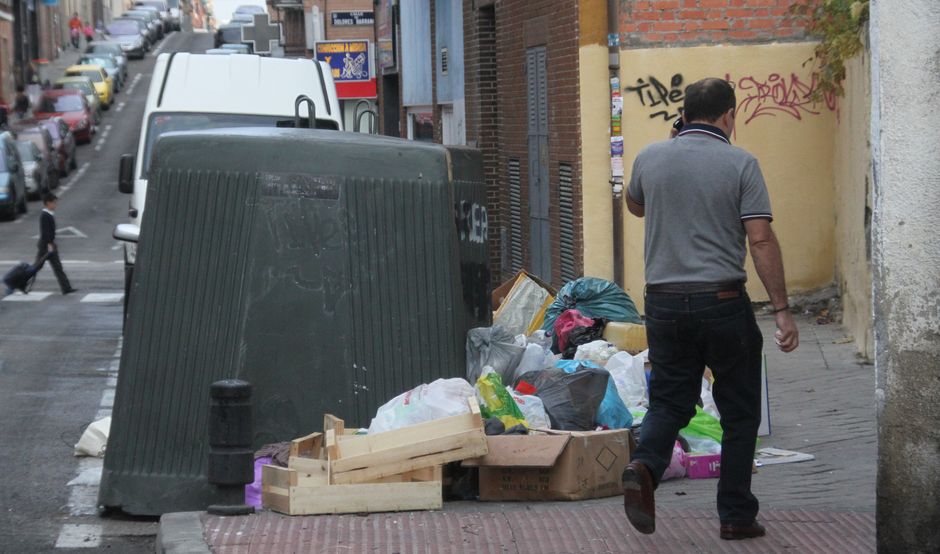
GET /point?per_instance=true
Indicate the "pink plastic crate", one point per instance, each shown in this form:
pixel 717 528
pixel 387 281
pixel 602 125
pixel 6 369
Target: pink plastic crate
pixel 703 466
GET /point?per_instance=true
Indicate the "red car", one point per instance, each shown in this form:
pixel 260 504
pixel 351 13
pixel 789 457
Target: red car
pixel 62 140
pixel 70 105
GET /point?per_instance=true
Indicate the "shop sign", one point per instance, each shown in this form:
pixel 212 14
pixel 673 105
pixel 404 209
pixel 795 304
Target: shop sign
pixel 350 19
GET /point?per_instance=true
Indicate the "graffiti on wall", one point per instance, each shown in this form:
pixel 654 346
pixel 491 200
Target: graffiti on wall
pixel 776 94
pixel 779 94
pixel 661 100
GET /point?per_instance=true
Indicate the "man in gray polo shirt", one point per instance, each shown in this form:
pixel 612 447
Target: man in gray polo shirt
pixel 701 198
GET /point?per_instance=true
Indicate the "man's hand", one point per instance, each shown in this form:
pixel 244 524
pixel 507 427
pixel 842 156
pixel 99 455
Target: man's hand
pixel 787 335
pixel 50 247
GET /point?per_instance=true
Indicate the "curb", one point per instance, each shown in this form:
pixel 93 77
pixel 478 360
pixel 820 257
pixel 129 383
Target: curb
pixel 181 533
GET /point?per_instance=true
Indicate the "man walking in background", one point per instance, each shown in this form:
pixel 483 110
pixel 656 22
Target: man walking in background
pixel 48 249
pixel 701 198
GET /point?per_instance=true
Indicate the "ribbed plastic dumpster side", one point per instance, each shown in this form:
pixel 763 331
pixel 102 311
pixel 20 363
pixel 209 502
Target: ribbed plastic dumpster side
pixel 324 268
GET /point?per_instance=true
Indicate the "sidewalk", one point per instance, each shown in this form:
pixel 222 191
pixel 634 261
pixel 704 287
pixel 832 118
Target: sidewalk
pixel 821 402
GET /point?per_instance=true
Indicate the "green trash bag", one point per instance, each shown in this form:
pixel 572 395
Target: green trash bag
pixel 703 425
pixel 497 402
pixel 595 298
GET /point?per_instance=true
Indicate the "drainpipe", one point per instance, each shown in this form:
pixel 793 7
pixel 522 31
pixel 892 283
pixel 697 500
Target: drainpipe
pixel 616 182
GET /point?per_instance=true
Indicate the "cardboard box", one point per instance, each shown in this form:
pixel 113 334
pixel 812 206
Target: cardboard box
pixel 554 465
pixel 703 466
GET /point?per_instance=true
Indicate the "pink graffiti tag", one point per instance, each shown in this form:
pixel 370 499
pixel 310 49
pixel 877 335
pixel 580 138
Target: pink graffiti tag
pixel 779 95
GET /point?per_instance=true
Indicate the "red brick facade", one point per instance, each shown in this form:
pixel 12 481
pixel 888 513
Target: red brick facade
pixel 520 25
pixel 665 23
pixel 482 112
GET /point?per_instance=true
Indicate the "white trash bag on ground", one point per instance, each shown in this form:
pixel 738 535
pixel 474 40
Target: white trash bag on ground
pixel 629 375
pixel 439 399
pixel 599 352
pixel 95 439
pixel 533 409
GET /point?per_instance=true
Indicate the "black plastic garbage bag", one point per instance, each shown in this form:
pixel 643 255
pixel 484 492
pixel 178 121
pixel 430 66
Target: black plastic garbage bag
pixel 583 335
pixel 571 399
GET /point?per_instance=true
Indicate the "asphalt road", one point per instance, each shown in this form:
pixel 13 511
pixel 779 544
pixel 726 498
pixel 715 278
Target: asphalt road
pixel 58 354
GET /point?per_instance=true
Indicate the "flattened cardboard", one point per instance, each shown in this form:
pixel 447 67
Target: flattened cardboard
pixel 559 466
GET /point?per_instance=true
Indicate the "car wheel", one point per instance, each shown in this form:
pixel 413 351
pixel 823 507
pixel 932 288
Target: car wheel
pixel 73 164
pixel 22 207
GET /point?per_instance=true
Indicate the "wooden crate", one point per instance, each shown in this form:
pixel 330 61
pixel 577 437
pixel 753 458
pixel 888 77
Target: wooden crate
pixel 338 472
pixel 285 490
pixel 363 459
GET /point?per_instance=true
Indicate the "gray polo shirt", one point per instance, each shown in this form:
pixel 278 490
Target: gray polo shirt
pixel 697 190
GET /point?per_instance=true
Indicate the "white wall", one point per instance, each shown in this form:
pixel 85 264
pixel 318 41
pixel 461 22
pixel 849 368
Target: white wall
pixel 906 267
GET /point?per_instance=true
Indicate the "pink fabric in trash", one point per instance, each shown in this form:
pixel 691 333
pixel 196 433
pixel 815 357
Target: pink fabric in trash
pixel 568 320
pixel 676 469
pixel 253 490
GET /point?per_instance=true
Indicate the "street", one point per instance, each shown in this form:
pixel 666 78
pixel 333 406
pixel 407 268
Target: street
pixel 59 354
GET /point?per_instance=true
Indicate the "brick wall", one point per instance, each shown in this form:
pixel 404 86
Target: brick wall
pixel 666 23
pixel 553 24
pixel 482 115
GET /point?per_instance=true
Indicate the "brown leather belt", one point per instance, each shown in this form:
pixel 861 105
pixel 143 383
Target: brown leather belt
pixel 728 289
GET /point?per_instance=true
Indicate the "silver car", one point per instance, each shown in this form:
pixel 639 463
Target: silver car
pixel 34 168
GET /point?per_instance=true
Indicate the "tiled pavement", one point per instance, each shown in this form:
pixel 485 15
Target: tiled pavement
pixel 822 403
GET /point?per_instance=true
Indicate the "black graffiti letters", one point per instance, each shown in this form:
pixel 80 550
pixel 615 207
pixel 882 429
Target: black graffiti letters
pixel 663 101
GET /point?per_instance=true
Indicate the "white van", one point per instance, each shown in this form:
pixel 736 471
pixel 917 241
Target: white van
pixel 200 92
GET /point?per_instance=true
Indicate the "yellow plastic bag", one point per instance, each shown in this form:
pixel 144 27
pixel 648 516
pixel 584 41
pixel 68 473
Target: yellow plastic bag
pixel 497 402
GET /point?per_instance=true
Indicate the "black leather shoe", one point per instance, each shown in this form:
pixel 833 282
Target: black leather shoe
pixel 638 501
pixel 734 532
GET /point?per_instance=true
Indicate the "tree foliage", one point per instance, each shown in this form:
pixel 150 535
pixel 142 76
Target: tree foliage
pixel 838 23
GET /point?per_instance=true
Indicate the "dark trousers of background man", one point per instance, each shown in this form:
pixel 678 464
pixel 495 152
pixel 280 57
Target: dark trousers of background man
pixel 53 259
pixel 686 332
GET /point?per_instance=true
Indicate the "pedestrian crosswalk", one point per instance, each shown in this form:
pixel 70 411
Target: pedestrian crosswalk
pixel 91 297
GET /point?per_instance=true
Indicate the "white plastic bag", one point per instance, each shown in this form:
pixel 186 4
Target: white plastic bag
pixel 599 352
pixel 442 398
pixel 535 358
pixel 94 440
pixel 629 375
pixel 708 401
pixel 533 409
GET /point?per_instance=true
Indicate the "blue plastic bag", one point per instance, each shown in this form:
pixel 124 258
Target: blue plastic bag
pixel 593 297
pixel 612 413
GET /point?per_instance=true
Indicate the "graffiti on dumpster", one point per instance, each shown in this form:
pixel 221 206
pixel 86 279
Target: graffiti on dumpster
pixel 776 94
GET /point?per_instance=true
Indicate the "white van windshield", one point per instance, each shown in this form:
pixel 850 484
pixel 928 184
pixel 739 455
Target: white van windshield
pixel 161 123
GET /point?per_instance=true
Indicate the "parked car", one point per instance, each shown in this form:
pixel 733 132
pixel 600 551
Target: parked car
pixel 42 138
pixel 142 28
pixel 62 141
pixel 149 26
pixel 127 34
pixel 113 49
pixel 87 88
pixel 12 178
pixel 237 48
pixel 34 169
pixel 219 52
pixel 110 67
pixel 155 21
pixel 162 10
pixel 104 85
pixel 72 107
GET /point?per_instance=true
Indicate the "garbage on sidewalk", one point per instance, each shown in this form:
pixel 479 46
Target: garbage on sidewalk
pixel 520 303
pixel 94 440
pixel 554 465
pixel 339 471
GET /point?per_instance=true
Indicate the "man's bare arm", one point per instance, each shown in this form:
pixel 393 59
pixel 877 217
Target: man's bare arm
pixel 635 209
pixel 765 250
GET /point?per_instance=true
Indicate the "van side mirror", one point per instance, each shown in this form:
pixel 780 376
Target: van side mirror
pixel 126 174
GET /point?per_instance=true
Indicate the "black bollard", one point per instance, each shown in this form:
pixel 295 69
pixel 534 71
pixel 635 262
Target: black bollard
pixel 231 460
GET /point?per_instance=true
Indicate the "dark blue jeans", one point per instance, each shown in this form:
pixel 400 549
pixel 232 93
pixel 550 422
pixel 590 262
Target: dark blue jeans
pixel 686 332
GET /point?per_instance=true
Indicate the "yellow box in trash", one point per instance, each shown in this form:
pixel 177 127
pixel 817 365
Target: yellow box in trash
pixel 630 337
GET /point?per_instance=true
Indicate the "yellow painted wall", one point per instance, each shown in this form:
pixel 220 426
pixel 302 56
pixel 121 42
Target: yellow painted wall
pixel 853 203
pixel 595 162
pixel 790 136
